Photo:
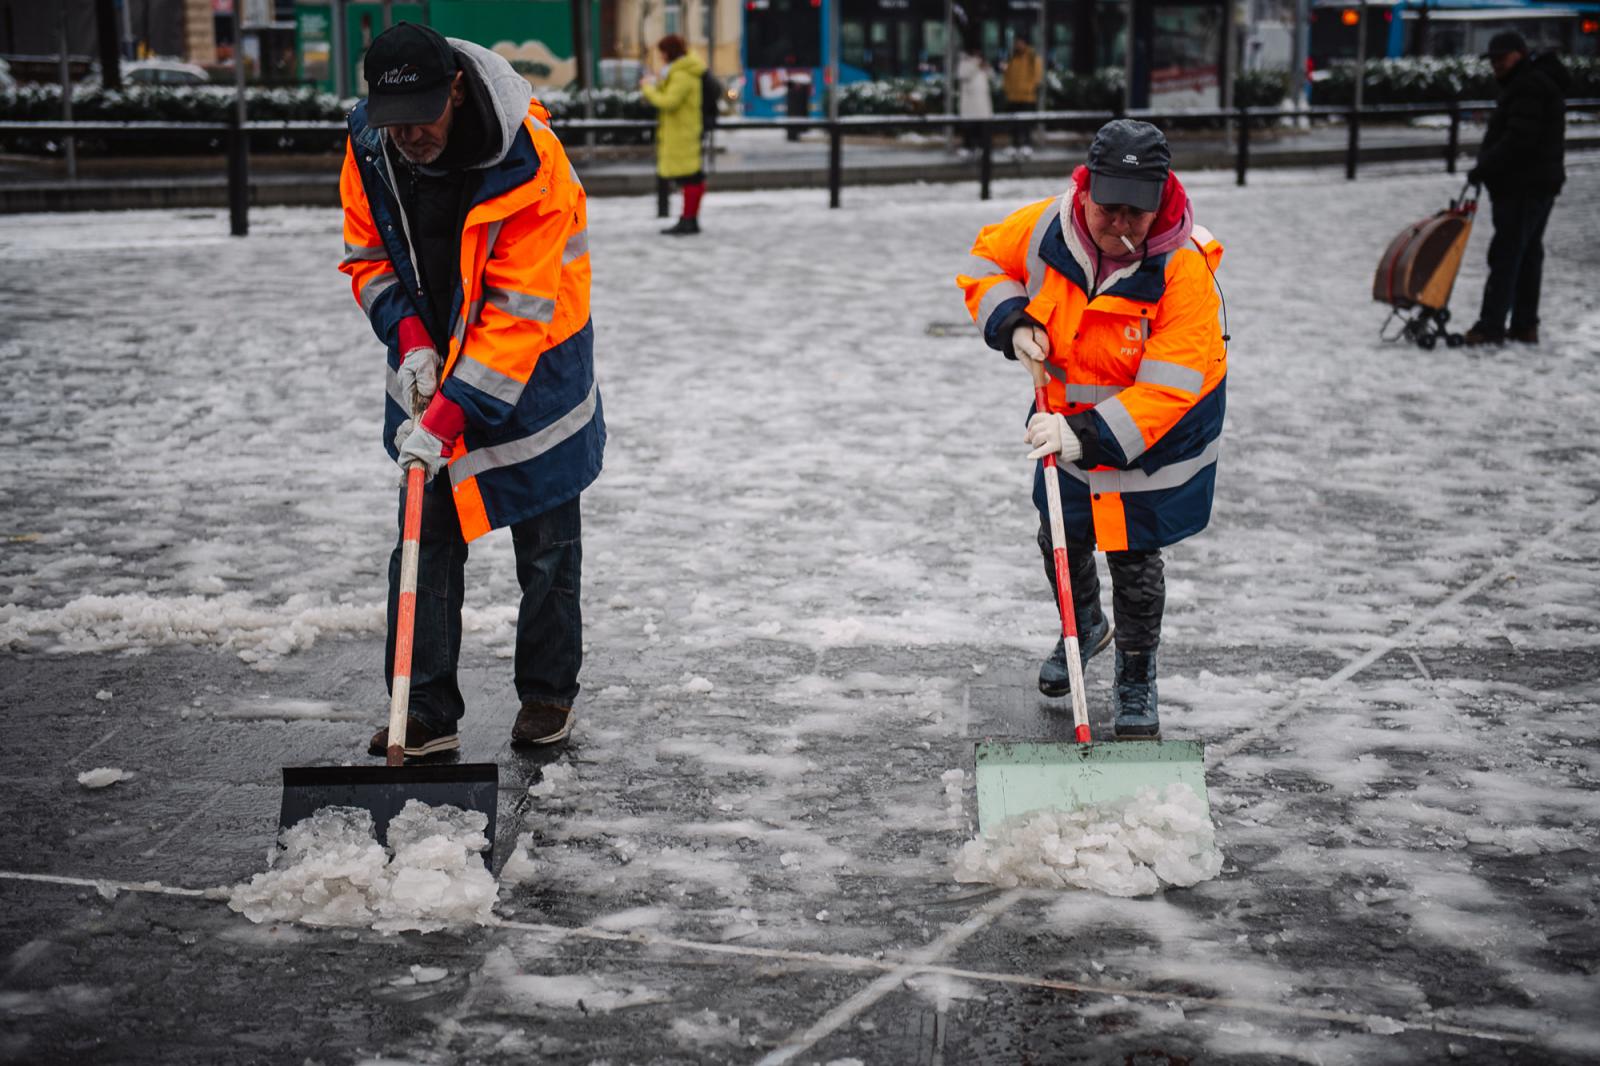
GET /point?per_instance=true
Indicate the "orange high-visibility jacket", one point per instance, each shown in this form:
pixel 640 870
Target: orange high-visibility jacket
pixel 520 355
pixel 1142 365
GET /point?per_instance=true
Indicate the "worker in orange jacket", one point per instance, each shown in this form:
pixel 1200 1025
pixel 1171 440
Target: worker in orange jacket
pixel 466 242
pixel 1111 288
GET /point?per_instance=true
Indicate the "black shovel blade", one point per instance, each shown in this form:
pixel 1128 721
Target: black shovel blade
pixel 384 790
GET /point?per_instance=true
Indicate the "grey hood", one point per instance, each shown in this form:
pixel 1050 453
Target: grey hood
pixel 509 92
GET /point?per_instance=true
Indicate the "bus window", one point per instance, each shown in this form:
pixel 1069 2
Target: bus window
pixel 782 33
pixel 852 43
pixel 1333 33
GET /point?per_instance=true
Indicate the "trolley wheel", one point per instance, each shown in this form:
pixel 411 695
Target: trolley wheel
pixel 1426 340
pixel 1442 315
pixel 1454 340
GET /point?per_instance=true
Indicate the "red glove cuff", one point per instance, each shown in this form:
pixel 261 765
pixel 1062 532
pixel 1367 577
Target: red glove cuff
pixel 413 335
pixel 445 419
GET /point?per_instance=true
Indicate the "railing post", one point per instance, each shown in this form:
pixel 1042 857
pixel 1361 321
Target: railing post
pixel 663 197
pixel 1244 144
pixel 835 162
pixel 985 159
pixel 1354 122
pixel 238 177
pixel 1455 138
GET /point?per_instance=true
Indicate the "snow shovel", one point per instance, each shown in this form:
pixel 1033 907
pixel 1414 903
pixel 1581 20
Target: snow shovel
pixel 384 790
pixel 1018 776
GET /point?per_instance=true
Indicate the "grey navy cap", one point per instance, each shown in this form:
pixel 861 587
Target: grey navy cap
pixel 1128 164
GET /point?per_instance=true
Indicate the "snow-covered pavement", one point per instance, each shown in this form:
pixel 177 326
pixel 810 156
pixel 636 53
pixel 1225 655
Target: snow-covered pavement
pixel 810 584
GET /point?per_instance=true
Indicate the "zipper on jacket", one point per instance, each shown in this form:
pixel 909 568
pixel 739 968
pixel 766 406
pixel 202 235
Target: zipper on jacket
pixel 405 227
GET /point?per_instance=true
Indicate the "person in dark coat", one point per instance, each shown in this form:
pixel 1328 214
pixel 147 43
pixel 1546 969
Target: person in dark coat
pixel 1520 163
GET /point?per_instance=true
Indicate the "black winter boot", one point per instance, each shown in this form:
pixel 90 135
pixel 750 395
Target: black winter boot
pixel 1136 695
pixel 1094 634
pixel 686 227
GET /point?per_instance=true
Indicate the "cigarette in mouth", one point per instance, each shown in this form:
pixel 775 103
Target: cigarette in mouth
pixel 1127 244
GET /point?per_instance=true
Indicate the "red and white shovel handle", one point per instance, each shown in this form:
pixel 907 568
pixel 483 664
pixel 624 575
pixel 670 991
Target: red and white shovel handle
pixel 1058 549
pixel 406 620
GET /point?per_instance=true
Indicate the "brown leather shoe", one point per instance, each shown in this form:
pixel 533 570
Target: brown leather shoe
pixel 420 740
pixel 1474 338
pixel 1524 336
pixel 542 723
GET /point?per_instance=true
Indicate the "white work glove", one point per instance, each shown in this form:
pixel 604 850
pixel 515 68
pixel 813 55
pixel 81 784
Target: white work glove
pixel 420 446
pixel 1030 342
pixel 419 377
pixel 1048 433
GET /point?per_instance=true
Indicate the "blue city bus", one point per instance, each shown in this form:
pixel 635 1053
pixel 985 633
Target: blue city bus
pixel 1449 27
pixel 786 40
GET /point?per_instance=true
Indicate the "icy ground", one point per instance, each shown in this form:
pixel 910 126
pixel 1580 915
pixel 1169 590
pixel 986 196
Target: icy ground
pixel 810 585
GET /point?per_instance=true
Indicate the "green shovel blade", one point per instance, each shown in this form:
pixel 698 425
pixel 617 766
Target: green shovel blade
pixel 1018 776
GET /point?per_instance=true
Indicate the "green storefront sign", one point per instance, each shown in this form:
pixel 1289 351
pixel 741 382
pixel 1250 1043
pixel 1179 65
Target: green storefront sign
pixel 535 35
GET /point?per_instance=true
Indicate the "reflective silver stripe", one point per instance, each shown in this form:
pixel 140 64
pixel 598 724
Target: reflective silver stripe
pixel 1130 481
pixel 572 175
pixel 979 267
pixel 520 451
pixel 1091 394
pixel 1034 267
pixel 1122 426
pixel 526 305
pixel 1059 374
pixel 577 246
pixel 362 253
pixel 998 293
pixel 1172 375
pixel 502 387
pixel 494 235
pixel 380 284
pixel 391 385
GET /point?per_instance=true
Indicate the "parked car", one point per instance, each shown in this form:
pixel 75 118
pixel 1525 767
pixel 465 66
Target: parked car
pixel 163 72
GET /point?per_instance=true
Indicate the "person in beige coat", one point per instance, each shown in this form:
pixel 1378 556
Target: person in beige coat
pixel 1023 73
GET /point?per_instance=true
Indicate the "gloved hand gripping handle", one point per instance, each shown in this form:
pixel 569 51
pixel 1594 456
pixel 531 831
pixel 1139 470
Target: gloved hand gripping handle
pixel 1058 546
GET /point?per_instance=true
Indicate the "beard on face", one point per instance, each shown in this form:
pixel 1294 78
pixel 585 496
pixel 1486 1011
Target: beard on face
pixel 423 157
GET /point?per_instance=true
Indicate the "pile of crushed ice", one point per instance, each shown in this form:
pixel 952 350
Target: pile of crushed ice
pixel 1127 848
pixel 332 871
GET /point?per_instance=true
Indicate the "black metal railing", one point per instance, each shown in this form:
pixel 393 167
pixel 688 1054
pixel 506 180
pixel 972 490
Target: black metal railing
pixel 1236 123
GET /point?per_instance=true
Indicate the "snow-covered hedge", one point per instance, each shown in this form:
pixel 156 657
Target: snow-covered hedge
pixel 200 103
pixel 1064 91
pixel 1429 80
pixel 215 103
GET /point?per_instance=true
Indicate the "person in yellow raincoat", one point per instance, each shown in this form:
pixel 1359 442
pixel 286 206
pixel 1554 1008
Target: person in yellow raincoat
pixel 1111 288
pixel 676 99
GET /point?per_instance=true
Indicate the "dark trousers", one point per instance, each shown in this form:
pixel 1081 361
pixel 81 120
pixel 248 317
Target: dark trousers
pixel 1022 132
pixel 549 652
pixel 1516 263
pixel 1138 589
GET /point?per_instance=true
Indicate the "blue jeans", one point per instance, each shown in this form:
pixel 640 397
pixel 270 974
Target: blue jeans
pixel 549 653
pixel 1516 263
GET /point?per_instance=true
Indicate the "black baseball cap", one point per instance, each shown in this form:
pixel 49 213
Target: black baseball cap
pixel 1506 41
pixel 409 69
pixel 1128 164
